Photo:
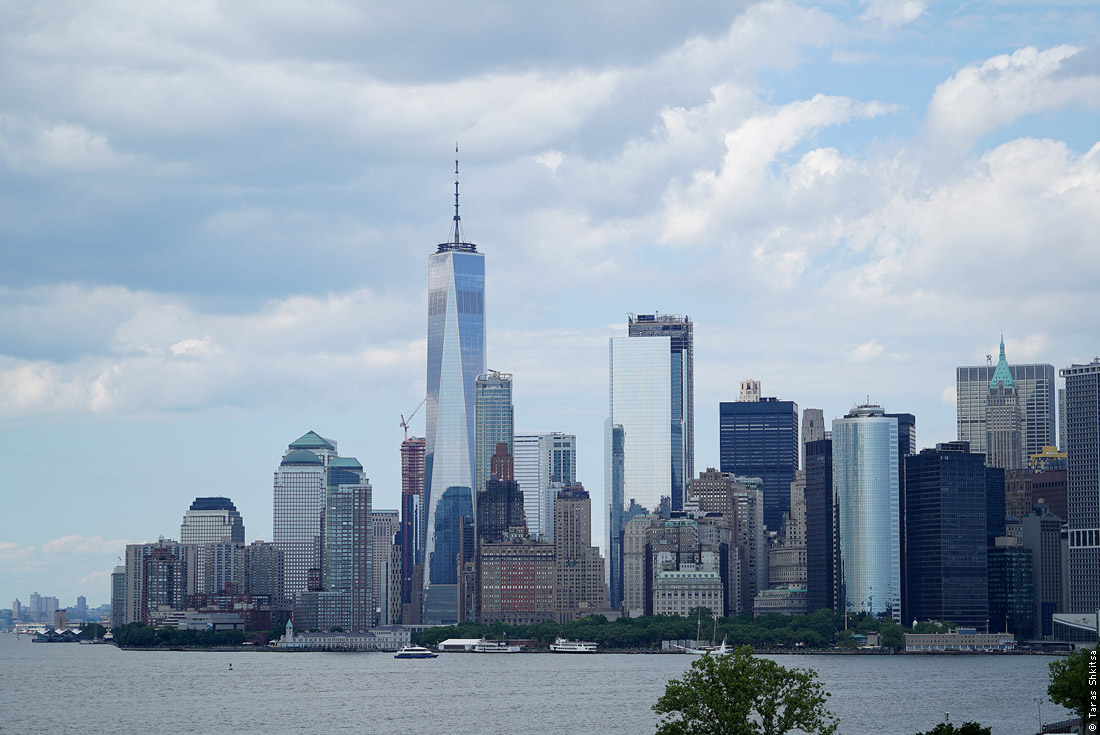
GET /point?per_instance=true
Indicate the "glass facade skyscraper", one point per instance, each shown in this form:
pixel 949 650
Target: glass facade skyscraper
pixel 212 521
pixel 456 356
pixel 299 502
pixel 493 422
pixel 866 496
pixel 681 354
pixel 349 545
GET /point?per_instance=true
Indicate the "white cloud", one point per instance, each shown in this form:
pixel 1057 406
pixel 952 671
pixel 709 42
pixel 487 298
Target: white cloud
pixel 76 544
pixel 982 97
pixel 892 13
pixel 551 159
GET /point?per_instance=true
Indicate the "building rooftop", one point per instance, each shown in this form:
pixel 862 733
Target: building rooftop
pixel 312 440
pixel 301 457
pixel 218 503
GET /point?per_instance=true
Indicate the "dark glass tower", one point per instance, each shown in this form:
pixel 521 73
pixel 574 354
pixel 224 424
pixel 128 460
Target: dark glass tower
pixel 820 551
pixel 945 500
pixel 760 439
pixel 456 356
pixel 1083 484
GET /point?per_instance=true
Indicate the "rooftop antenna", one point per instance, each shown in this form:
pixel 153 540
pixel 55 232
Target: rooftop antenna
pixel 458 220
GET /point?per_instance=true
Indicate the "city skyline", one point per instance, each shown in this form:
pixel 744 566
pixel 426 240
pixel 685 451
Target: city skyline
pixel 848 200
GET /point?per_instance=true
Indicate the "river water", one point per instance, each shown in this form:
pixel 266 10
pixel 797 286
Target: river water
pixel 69 688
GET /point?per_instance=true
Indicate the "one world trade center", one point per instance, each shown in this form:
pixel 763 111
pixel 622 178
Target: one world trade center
pixel 456 356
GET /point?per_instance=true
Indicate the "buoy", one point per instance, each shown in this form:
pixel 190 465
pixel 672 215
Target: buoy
pixel 230 667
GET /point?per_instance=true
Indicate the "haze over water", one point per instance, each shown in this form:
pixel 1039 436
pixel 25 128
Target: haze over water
pixel 68 688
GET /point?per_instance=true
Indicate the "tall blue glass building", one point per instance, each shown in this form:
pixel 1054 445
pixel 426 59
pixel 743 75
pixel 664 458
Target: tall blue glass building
pixel 760 439
pixel 456 356
pixel 868 513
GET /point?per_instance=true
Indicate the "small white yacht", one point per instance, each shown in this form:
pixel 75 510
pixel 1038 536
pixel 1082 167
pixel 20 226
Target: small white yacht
pixel 415 652
pixel 561 645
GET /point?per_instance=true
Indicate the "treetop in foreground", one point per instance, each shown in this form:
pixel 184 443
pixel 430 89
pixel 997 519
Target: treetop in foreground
pixel 1069 683
pixel 967 728
pixel 739 694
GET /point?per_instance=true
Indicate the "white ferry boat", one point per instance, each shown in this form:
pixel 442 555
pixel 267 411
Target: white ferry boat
pixel 415 652
pixel 487 646
pixel 561 645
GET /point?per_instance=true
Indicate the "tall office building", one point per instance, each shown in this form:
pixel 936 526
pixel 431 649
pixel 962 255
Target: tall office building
pixel 557 469
pixel 525 464
pixel 212 521
pixel 759 438
pixel 500 504
pixel 945 530
pixel 678 329
pixel 579 587
pixel 348 546
pixel 299 504
pixel 493 422
pixel 820 540
pixel 456 356
pixel 412 493
pixel 637 437
pixel 813 429
pixel 1041 532
pixel 1036 394
pixel 1004 420
pixel 1083 484
pixel 385 525
pixel 868 525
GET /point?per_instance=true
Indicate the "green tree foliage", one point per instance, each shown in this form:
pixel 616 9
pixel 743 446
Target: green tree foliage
pixel 139 635
pixel 819 629
pixel 92 630
pixel 1069 683
pixel 738 693
pixel 967 728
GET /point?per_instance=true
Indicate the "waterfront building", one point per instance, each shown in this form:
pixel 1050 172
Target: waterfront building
pixel 135 590
pixel 348 547
pixel 500 503
pixel 1035 388
pixel 945 532
pixel 1083 484
pixel 1011 588
pixel 212 521
pixel 787 557
pixel 163 582
pixel 412 493
pixel 785 599
pixel 679 331
pixel 579 587
pixel 385 525
pixel 493 422
pixel 961 639
pixel 679 592
pixel 456 356
pixel 517 581
pixel 1041 533
pixel 393 609
pixel 118 598
pixel 1004 419
pixel 820 547
pixel 868 518
pixel 759 438
pixel 299 504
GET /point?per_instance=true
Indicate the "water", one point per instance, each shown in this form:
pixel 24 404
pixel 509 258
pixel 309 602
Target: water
pixel 69 688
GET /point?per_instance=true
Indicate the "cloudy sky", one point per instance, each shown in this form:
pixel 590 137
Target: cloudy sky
pixel 215 219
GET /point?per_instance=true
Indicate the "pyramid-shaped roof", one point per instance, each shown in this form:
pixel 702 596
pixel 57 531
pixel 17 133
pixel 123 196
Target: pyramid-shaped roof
pixel 312 440
pixel 1002 374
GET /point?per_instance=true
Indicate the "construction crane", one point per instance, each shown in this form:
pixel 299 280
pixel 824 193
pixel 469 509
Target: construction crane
pixel 405 421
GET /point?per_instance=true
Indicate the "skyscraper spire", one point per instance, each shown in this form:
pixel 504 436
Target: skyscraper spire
pixel 458 220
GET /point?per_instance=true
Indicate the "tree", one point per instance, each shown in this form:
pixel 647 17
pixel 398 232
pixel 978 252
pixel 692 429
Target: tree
pixel 967 728
pixel 1069 683
pixel 738 693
